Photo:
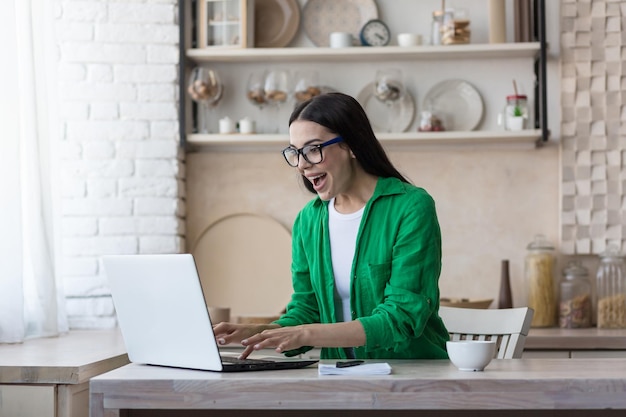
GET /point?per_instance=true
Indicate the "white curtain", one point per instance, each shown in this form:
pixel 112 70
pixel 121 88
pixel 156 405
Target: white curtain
pixel 31 297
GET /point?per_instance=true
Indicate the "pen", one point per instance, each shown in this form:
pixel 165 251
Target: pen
pixel 349 363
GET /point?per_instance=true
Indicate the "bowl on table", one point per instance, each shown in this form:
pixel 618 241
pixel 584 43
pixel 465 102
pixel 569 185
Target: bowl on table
pixel 471 355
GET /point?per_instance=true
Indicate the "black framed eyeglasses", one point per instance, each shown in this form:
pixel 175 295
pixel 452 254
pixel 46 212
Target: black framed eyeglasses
pixel 311 153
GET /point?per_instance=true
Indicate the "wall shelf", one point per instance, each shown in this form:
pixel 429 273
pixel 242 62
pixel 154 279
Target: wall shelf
pixel 274 142
pixel 534 51
pixel 383 53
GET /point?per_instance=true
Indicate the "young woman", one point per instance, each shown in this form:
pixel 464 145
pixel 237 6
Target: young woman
pixel 366 253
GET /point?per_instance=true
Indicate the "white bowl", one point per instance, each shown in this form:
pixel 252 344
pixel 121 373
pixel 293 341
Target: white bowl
pixel 409 39
pixel 471 355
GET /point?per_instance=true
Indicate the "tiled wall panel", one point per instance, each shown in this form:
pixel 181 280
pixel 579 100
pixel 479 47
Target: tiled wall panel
pixel 593 126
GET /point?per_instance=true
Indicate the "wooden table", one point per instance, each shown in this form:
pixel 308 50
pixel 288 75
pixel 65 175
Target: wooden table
pixel 50 376
pixel 518 384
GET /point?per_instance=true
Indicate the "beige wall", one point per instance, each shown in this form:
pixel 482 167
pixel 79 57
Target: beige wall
pixel 490 203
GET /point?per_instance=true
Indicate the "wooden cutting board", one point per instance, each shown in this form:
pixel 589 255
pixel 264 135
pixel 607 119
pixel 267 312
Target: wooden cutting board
pixel 244 261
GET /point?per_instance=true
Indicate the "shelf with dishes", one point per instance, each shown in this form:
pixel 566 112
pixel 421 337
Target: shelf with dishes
pixel 374 53
pixel 453 111
pixel 524 139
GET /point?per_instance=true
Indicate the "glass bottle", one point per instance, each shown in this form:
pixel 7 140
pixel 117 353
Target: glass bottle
pixel 505 299
pixel 539 271
pixel 611 290
pixel 575 298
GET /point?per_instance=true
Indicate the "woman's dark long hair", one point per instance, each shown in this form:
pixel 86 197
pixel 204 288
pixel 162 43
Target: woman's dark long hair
pixel 342 114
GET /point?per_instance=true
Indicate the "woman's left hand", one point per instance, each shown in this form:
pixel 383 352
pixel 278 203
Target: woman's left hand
pixel 282 339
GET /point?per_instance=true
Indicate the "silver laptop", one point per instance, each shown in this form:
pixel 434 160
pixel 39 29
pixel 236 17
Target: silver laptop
pixel 164 319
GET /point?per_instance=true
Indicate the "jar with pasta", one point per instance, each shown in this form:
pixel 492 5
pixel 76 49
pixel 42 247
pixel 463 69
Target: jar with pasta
pixel 575 299
pixel 611 290
pixel 539 272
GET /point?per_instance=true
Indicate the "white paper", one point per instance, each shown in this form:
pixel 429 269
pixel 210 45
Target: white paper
pixel 382 368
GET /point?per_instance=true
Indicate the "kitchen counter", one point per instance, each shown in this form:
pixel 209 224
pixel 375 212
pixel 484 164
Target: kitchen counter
pixel 72 358
pixel 593 385
pixel 576 339
pixel 49 377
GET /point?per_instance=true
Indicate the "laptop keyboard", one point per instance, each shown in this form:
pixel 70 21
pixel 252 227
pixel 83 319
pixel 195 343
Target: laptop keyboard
pixel 228 359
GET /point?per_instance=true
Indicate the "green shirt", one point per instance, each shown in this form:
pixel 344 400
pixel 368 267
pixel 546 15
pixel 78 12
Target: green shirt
pixel 395 273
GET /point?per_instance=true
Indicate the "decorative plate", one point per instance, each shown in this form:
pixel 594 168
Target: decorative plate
pixel 457 102
pixel 379 114
pixel 323 17
pixel 275 22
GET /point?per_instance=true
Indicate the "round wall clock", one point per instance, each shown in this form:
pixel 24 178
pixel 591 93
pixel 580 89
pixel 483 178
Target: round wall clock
pixel 375 33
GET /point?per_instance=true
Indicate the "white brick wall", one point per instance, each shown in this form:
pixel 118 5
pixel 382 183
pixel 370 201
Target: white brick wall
pixel 123 172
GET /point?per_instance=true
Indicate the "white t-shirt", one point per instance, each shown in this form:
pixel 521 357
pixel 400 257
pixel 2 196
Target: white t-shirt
pixel 343 229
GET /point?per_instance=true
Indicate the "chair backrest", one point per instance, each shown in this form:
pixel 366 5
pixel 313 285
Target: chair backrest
pixel 507 327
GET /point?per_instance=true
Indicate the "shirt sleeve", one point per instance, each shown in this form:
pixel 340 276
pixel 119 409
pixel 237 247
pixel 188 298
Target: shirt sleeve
pixel 302 308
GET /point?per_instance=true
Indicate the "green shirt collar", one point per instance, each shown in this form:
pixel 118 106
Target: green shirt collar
pixel 384 186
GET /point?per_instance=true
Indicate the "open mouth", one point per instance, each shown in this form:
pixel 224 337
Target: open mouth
pixel 317 180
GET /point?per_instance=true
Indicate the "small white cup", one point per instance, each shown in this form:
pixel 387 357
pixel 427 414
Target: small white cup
pixel 340 39
pixel 409 39
pixel 246 125
pixel 227 125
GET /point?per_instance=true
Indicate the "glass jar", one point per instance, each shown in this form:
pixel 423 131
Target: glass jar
pixel 429 122
pixel 516 112
pixel 539 272
pixel 611 290
pixel 439 16
pixel 575 298
pixel 455 27
pixel 435 29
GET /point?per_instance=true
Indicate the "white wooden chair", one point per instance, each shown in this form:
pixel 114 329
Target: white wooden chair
pixel 508 327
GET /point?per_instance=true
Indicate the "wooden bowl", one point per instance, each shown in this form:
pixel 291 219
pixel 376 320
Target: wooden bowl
pixel 465 302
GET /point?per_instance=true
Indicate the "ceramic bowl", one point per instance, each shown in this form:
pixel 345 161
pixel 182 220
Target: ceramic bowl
pixel 471 355
pixel 409 39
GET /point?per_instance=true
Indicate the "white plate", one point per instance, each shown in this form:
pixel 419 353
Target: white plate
pixel 323 17
pixel 378 112
pixel 457 102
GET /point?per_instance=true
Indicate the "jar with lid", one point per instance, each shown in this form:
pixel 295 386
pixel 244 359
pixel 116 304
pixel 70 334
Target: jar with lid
pixel 611 290
pixel 455 28
pixel 539 273
pixel 516 112
pixel 575 298
pixel 439 16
